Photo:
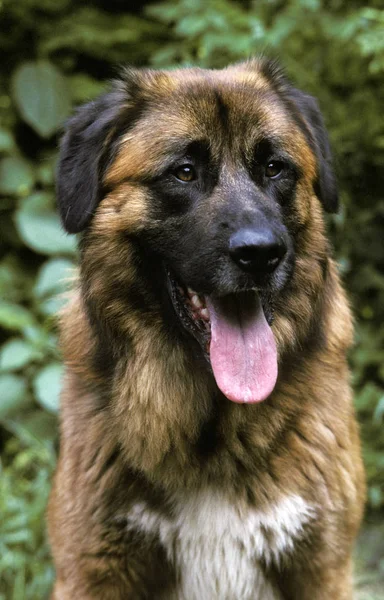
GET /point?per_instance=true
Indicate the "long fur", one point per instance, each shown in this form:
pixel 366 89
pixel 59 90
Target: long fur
pixel 165 489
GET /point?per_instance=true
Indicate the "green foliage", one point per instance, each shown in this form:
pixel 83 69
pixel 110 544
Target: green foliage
pixel 13 392
pixel 41 95
pixel 39 226
pixel 47 386
pixel 28 459
pixel 16 176
pixel 58 53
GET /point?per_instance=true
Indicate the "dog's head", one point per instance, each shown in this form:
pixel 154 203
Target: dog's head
pixel 200 193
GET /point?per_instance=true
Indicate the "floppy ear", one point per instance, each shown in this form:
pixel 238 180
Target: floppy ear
pixel 325 184
pixel 83 151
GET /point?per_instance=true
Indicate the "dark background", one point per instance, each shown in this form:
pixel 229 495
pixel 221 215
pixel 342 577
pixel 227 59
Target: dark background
pixel 58 53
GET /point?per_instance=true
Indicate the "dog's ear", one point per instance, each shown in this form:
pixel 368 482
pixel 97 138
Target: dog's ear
pixel 325 184
pixel 82 154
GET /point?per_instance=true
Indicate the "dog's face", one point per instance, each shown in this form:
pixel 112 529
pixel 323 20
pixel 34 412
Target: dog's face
pixel 206 186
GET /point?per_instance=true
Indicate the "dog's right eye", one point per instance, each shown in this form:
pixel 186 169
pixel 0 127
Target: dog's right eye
pixel 274 169
pixel 185 173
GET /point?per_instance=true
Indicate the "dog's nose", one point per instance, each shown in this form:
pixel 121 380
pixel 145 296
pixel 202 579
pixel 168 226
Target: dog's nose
pixel 256 251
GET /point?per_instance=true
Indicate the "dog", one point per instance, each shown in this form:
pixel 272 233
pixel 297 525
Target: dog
pixel 209 447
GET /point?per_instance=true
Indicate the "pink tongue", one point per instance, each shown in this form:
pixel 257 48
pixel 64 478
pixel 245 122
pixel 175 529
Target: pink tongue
pixel 243 350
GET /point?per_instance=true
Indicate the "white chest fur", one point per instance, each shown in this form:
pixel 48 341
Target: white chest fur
pixel 216 546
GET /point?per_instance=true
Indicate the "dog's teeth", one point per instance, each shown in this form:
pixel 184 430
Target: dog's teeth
pixel 197 303
pixel 191 292
pixel 204 313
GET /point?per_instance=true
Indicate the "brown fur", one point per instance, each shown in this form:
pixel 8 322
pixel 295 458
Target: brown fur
pixel 140 417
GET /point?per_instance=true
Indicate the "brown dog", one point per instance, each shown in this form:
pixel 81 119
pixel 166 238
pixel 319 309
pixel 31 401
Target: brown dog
pixel 209 447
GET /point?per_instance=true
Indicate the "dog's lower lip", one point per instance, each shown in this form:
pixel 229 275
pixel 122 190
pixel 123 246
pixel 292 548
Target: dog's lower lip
pixel 191 309
pixel 196 306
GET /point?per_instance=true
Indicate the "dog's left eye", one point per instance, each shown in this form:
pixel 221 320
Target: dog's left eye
pixel 274 169
pixel 185 173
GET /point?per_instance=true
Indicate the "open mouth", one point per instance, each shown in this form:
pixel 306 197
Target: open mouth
pixel 235 337
pixel 192 311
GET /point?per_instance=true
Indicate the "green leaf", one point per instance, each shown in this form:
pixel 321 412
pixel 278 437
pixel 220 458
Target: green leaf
pixel 368 397
pixel 38 336
pixel 42 96
pixel 53 280
pixel 13 316
pixel 47 386
pixel 45 171
pixel 8 233
pixel 53 277
pixel 52 306
pixel 41 425
pixel 16 353
pixel 375 496
pixel 7 141
pixel 14 279
pixel 39 226
pixel 16 177
pixel 109 37
pixel 84 88
pixel 13 394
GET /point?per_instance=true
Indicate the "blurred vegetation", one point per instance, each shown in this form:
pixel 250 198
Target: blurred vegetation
pixel 58 53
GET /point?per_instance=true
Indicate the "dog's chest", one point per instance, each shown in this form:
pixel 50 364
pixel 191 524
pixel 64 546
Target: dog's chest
pixel 216 547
